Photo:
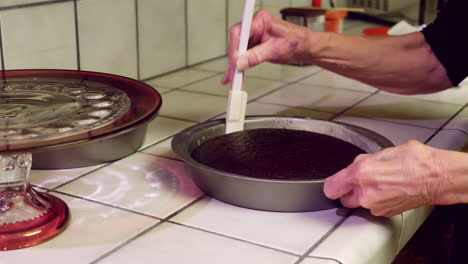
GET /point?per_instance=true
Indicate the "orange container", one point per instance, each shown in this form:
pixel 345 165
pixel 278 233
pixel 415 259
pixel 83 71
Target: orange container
pixel 334 21
pixel 375 31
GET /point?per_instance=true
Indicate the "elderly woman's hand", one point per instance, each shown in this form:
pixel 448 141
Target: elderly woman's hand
pixel 271 39
pixel 391 181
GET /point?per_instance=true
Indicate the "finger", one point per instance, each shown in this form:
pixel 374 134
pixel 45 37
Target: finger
pixel 234 36
pixel 351 199
pixel 338 185
pixel 267 51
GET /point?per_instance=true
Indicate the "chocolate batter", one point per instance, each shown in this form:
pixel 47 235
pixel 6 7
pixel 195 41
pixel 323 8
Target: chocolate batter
pixel 277 154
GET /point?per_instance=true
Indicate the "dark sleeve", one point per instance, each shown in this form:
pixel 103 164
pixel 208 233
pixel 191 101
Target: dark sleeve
pixel 448 38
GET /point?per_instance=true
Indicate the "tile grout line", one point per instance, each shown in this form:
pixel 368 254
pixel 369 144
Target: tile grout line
pixel 192 67
pixel 187 84
pixel 2 48
pixel 235 238
pixel 353 105
pixel 162 221
pixel 137 36
pixel 324 237
pixel 446 123
pixel 81 176
pixel 50 2
pixel 178 118
pixel 316 257
pixel 77 36
pixel 103 204
pixel 186 33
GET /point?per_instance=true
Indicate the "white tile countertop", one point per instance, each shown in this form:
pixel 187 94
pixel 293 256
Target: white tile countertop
pixel 144 208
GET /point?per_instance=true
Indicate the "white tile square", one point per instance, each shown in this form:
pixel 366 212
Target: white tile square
pixel 206 26
pixel 405 110
pixel 257 108
pixel 161 128
pixel 284 73
pixel 39 37
pixel 143 183
pixel 161 26
pixel 93 230
pixel 53 178
pixel 284 231
pixel 107 39
pixel 192 106
pixel 460 121
pixel 450 140
pixel 396 133
pixel 331 79
pixel 363 239
pixel 170 243
pixel 179 78
pixel 162 149
pixel 254 87
pixel 453 95
pixel 315 97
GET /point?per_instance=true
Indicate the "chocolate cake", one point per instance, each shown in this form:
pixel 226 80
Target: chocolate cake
pixel 277 154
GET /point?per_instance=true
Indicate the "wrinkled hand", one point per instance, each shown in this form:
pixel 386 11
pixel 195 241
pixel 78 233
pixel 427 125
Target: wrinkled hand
pixel 271 39
pixel 390 181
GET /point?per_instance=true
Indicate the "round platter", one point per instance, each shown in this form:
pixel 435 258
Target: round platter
pixel 43 110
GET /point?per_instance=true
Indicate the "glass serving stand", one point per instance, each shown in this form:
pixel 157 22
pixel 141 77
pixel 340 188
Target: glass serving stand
pixel 51 109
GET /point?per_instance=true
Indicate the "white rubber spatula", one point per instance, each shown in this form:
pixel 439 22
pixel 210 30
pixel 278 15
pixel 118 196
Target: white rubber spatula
pixel 237 101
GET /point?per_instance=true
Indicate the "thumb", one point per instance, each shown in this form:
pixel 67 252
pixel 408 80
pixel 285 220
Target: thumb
pixel 337 185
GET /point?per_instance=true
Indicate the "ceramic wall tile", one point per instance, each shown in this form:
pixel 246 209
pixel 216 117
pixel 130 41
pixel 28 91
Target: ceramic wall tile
pixel 179 78
pixel 193 246
pixel 375 240
pixel 261 227
pixel 460 121
pixel 53 178
pixel 161 128
pixel 396 133
pixel 330 79
pixel 206 20
pixel 255 87
pixel 40 37
pixel 301 2
pixel 450 140
pixel 93 230
pixel 235 8
pixel 192 106
pixel 315 97
pixel 162 36
pixel 107 34
pixel 405 110
pixel 144 183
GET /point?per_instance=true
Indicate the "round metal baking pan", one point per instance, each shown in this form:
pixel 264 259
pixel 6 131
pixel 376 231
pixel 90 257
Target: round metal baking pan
pixel 71 119
pixel 266 194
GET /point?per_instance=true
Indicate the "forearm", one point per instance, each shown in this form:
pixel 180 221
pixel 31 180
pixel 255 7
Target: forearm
pixel 398 64
pixel 452 185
